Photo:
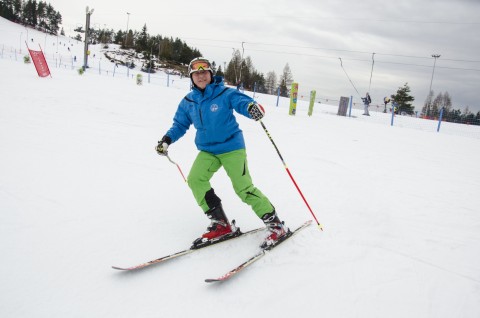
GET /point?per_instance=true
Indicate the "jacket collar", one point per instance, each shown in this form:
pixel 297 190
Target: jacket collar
pixel 210 89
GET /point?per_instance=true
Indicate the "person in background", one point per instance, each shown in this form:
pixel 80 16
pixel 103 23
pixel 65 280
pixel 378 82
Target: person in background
pixel 366 102
pixel 209 108
pixel 386 100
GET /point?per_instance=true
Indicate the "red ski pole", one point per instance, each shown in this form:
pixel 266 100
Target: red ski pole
pixel 184 179
pixel 291 177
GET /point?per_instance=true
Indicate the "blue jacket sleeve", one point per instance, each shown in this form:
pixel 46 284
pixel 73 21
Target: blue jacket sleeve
pixel 181 123
pixel 240 101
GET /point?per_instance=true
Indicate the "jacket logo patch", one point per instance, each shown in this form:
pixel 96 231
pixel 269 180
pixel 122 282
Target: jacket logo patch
pixel 213 108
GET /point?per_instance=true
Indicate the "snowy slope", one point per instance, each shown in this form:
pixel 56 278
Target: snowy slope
pixel 81 189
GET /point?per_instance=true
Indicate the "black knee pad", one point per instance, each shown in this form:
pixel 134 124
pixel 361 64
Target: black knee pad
pixel 212 199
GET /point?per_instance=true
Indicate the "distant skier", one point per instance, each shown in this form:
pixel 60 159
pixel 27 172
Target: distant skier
pixel 386 100
pixel 209 107
pixel 366 102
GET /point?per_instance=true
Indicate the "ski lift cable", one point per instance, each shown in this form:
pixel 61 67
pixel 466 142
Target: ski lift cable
pixel 341 64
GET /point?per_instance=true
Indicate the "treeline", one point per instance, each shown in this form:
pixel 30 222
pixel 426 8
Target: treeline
pixel 152 48
pixel 239 71
pixel 38 15
pixel 433 107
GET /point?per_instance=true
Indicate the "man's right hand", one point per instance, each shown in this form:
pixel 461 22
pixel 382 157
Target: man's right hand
pixel 162 147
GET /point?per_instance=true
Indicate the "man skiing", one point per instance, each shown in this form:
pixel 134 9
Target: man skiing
pixel 209 107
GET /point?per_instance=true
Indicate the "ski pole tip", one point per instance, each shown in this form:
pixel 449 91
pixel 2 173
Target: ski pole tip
pixel 320 227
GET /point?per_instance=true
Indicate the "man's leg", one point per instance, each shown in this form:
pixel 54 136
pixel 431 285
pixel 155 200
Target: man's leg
pixel 203 168
pixel 235 164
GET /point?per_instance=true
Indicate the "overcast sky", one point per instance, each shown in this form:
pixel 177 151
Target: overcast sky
pixel 317 37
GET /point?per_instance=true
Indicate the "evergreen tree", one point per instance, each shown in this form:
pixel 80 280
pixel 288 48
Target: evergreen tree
pixel 17 10
pixel 7 10
pixel 220 72
pixel 142 43
pixel 54 20
pixel 259 80
pixel 104 37
pixel 166 49
pixel 177 50
pixel 154 44
pixel 403 100
pixel 130 40
pixel 247 72
pixel 29 13
pixel 469 116
pixel 454 116
pixel 42 16
pixel 251 79
pixel 214 67
pixel 185 54
pixel 232 74
pixel 117 39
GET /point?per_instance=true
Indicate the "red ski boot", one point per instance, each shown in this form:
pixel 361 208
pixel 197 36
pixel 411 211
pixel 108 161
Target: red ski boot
pixel 219 227
pixel 276 230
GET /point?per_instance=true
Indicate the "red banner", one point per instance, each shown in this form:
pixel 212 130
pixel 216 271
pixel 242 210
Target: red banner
pixel 40 63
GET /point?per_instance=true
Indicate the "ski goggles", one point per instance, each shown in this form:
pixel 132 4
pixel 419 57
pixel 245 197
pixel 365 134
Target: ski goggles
pixel 199 65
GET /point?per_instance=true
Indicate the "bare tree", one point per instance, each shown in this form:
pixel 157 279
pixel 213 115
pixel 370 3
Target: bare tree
pixel 427 107
pixel 447 102
pixel 437 105
pixel 286 80
pixel 271 82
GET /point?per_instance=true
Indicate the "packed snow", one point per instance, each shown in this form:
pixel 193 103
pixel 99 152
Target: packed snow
pixel 82 189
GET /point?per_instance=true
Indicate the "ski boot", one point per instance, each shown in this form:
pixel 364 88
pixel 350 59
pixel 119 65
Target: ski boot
pixel 276 229
pixel 218 230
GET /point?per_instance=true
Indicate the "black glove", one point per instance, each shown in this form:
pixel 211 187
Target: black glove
pixel 256 111
pixel 163 146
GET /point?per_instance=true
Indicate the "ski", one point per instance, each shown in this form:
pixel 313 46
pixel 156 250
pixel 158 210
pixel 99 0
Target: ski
pixel 203 245
pixel 257 256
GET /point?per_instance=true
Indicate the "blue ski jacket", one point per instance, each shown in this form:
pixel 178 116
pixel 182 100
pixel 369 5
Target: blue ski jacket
pixel 211 113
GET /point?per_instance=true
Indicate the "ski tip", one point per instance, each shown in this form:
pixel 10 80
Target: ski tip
pixel 319 225
pixel 119 268
pixel 212 280
pixel 307 223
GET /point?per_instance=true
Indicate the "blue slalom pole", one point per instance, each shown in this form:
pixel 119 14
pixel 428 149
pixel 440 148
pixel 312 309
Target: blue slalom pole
pixel 440 119
pixel 278 95
pixel 350 108
pixel 393 113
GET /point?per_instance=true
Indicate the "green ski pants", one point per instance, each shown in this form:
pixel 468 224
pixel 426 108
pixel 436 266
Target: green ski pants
pixel 235 165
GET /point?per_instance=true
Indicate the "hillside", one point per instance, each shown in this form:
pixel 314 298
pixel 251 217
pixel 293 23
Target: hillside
pixel 82 189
